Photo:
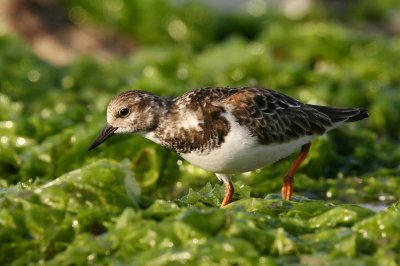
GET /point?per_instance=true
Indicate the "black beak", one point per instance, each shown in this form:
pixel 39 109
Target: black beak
pixel 106 133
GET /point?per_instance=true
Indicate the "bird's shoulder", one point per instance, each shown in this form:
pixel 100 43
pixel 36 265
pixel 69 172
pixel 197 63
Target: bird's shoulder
pixel 205 96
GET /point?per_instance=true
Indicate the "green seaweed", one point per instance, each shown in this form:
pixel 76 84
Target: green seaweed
pixel 132 202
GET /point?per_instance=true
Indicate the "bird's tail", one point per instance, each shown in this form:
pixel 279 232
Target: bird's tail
pixel 337 114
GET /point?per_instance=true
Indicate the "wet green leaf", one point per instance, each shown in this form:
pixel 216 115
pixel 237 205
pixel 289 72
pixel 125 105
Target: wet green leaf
pixel 132 202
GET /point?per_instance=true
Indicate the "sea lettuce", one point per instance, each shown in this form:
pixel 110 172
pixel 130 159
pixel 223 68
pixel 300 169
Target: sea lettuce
pixel 132 202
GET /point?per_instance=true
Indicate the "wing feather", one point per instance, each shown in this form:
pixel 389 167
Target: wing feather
pixel 274 117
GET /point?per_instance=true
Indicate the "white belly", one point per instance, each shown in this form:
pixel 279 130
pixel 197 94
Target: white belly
pixel 240 152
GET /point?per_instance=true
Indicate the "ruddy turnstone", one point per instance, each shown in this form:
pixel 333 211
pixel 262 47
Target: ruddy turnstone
pixel 227 130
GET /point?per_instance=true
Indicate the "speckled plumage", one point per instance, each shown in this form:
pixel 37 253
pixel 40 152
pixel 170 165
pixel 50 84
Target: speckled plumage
pixel 270 116
pixel 225 130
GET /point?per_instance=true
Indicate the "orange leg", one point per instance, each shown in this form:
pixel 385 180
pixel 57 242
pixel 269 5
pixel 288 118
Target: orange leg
pixel 228 193
pixel 289 178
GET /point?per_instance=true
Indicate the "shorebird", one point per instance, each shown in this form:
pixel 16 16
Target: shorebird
pixel 227 130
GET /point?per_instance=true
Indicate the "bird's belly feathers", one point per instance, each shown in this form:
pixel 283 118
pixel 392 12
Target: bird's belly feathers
pixel 240 152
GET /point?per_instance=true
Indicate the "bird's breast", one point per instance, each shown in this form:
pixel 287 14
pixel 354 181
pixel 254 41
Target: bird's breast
pixel 224 147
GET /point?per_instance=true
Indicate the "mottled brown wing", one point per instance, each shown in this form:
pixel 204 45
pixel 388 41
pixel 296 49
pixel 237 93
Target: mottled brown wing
pixel 274 117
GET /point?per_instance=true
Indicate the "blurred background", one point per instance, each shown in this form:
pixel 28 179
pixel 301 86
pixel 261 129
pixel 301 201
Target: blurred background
pixel 59 31
pixel 61 61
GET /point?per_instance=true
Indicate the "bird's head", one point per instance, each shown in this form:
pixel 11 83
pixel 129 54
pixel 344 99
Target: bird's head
pixel 130 112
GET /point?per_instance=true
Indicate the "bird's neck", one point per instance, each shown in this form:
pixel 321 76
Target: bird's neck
pixel 157 116
pixel 165 113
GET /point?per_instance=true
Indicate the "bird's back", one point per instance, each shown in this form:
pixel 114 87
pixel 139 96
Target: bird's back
pixel 271 116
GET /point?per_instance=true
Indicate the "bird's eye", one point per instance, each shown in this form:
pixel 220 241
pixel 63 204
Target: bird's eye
pixel 124 112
